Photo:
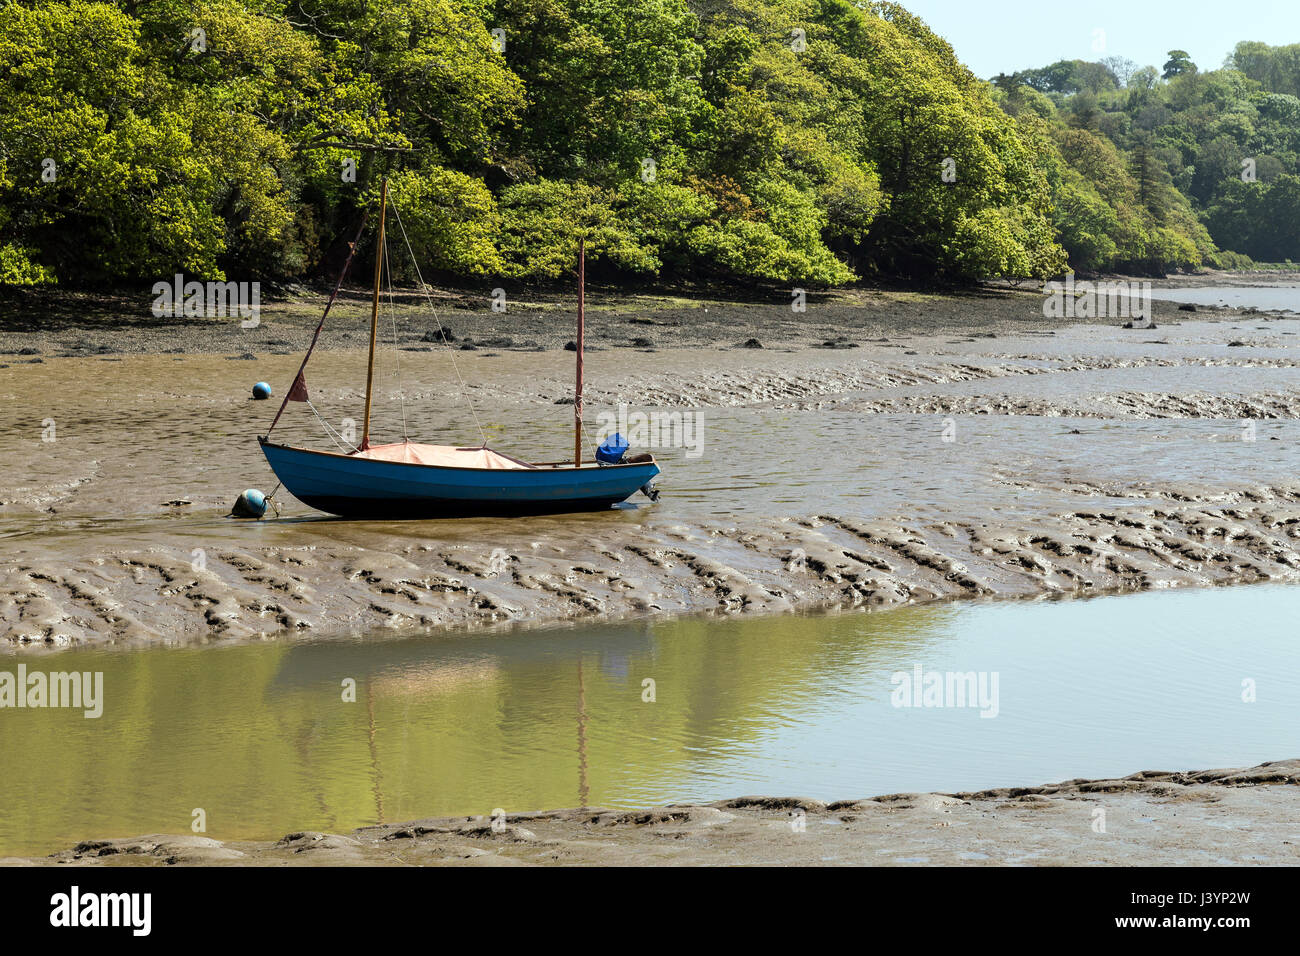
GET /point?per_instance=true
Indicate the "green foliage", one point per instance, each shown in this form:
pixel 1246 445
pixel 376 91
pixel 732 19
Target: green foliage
pixel 1176 171
pixel 866 121
pixel 1260 220
pixel 1063 76
pixel 451 220
pixel 1178 64
pixel 17 268
pixel 756 141
pixel 102 174
pixel 1274 68
pixel 544 220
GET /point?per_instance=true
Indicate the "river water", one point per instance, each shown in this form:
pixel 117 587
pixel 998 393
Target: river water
pixel 263 738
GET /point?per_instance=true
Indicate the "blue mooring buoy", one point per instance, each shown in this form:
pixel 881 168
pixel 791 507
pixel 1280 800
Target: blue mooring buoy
pixel 251 504
pixel 261 391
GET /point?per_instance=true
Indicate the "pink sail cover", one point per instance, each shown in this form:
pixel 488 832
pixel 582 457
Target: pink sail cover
pixel 446 456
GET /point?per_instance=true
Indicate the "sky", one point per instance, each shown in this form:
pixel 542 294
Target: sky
pixel 1003 36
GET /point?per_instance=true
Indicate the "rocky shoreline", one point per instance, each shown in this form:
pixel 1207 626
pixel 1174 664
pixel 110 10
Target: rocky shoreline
pixel 70 323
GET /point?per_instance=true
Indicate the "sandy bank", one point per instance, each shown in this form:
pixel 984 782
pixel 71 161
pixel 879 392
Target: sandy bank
pixel 1213 817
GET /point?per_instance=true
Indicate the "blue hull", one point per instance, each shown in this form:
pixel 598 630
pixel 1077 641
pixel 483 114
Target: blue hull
pixel 369 488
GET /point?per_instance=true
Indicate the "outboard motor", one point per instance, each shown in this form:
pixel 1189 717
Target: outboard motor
pixel 611 452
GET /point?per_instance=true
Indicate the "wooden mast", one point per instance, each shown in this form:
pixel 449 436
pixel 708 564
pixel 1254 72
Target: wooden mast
pixel 374 314
pixel 577 394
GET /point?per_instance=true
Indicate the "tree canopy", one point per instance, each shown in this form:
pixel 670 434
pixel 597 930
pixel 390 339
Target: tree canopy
pixel 777 141
pixel 1171 168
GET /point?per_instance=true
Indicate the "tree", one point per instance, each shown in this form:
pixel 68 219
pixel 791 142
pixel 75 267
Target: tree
pixel 1178 64
pixel 1120 67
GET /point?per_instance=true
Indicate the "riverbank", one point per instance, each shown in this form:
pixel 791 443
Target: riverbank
pixel 70 324
pixel 973 449
pixel 1213 817
pixel 67 323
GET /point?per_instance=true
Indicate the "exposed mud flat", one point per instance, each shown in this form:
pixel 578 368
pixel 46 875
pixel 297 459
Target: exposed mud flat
pixel 1212 817
pixel 1123 405
pixel 72 324
pixel 1084 459
pixel 824 560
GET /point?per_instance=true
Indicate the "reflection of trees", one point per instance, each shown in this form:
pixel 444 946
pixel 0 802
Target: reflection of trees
pixel 259 735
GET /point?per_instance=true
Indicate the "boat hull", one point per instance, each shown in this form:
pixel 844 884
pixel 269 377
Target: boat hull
pixel 354 487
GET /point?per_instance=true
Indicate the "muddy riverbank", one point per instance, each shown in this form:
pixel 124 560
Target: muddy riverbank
pixel 54 323
pixel 1154 818
pixel 881 448
pixel 76 324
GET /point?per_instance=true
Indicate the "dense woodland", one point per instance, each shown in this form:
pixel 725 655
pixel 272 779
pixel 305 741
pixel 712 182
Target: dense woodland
pixel 725 141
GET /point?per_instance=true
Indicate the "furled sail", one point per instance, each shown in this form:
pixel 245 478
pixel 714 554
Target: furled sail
pixel 446 456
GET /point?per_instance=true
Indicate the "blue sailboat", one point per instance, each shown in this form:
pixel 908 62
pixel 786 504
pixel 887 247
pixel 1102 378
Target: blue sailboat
pixel 412 480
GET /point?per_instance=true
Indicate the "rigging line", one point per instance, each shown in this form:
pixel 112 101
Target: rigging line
pixel 397 351
pixel 333 435
pixel 464 391
pixel 352 251
pixel 583 422
pixel 329 430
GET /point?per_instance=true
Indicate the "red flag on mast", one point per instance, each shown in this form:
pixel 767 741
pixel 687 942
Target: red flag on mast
pixel 298 392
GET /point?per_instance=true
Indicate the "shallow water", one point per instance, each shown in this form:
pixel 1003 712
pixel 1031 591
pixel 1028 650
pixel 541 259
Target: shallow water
pixel 260 738
pixel 136 434
pixel 1282 298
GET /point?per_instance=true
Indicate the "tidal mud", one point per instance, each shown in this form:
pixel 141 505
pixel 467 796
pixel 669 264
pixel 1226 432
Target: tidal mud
pixel 1153 818
pixel 964 447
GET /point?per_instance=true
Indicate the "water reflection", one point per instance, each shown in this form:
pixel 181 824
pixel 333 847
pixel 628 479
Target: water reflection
pixel 264 738
pixel 268 738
